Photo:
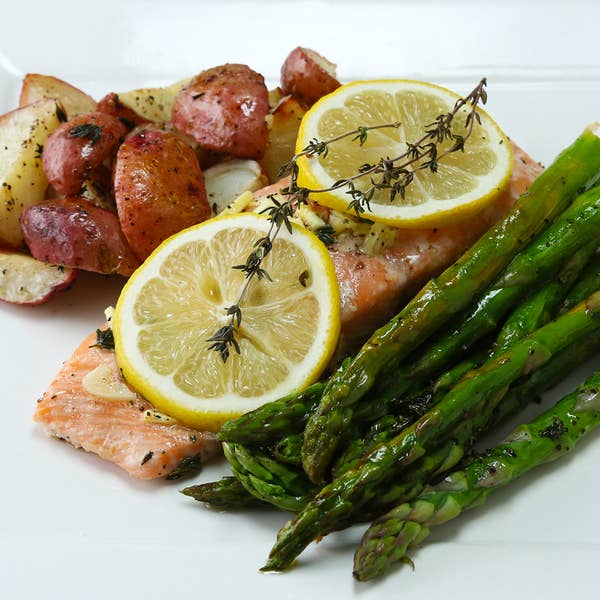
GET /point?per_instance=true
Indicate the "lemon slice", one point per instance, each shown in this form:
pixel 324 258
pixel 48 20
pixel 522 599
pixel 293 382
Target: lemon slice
pixel 464 182
pixel 177 299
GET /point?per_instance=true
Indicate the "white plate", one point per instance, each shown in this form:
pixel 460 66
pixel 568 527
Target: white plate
pixel 73 527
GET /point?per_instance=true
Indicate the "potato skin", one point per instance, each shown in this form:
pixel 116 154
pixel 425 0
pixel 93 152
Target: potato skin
pixel 75 233
pixel 159 188
pixel 68 159
pixel 306 79
pixel 111 105
pixel 224 110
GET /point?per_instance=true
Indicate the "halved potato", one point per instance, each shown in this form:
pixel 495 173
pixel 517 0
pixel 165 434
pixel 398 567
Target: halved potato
pixel 284 122
pixel 159 188
pixel 23 183
pixel 224 110
pixel 25 280
pixel 75 233
pixel 308 75
pixel 37 87
pixel 154 104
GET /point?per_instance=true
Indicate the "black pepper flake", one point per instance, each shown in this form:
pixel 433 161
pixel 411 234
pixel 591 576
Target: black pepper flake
pixel 197 96
pixel 146 458
pixel 555 430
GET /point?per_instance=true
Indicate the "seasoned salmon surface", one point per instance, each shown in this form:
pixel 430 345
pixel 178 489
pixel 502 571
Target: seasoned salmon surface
pixel 116 430
pixel 373 287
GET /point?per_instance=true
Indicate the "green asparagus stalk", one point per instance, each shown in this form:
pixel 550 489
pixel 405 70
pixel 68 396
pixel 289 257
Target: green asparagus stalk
pixel 350 492
pixel 587 284
pixel 542 307
pixel 545 439
pixel 575 168
pixel 226 494
pixel 533 313
pixel 521 394
pixel 381 431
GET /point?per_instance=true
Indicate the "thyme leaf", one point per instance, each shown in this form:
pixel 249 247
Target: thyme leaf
pixel 87 131
pixel 104 339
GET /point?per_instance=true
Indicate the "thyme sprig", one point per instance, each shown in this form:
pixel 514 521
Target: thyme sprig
pixel 393 174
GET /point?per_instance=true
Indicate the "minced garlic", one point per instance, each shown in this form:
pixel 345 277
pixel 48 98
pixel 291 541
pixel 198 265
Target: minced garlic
pixel 101 382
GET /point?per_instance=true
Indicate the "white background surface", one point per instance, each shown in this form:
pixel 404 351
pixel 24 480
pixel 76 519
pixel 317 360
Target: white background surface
pixel 72 527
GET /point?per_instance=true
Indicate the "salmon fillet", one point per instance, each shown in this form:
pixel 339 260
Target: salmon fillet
pixel 115 429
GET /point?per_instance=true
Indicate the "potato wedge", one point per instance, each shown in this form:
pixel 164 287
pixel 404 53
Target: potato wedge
pixel 308 75
pixel 23 183
pixel 227 180
pixel 159 188
pixel 36 87
pixel 75 233
pixel 284 122
pixel 25 280
pixel 153 104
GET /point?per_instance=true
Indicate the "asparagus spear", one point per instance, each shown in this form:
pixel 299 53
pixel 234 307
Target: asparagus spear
pixel 521 394
pixel 545 439
pixel 575 168
pixel 227 494
pixel 588 283
pixel 543 305
pixel 534 312
pixel 348 493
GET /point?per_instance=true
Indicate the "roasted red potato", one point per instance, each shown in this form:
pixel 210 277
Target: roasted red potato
pixel 224 110
pixel 308 76
pixel 25 280
pixel 111 105
pixel 77 147
pixel 159 188
pixel 75 233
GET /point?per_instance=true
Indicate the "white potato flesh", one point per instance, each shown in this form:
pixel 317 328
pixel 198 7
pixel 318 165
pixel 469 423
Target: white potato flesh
pixel 37 87
pixel 23 133
pixel 284 122
pixel 25 280
pixel 154 104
